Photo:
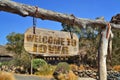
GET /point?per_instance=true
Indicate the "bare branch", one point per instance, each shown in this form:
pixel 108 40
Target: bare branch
pixel 27 10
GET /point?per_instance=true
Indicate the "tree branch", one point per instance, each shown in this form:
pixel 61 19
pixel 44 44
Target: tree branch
pixel 27 10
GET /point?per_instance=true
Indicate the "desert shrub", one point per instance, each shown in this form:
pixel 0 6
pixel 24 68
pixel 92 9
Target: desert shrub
pixel 47 70
pixel 73 67
pixel 22 60
pixel 42 68
pixel 81 67
pixel 69 76
pixel 116 68
pixel 61 76
pixel 39 64
pixel 6 76
pixel 63 72
pixel 62 67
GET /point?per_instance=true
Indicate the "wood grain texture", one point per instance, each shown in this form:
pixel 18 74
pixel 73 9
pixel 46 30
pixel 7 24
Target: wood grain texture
pixel 27 10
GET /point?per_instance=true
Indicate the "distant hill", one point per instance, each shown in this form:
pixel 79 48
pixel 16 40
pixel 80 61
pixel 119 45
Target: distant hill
pixel 4 52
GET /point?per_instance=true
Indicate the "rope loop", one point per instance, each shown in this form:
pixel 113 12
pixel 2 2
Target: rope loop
pixel 36 11
pixel 108 30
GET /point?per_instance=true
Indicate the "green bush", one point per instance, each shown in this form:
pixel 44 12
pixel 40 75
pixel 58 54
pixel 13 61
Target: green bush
pixel 38 63
pixel 46 70
pixel 42 68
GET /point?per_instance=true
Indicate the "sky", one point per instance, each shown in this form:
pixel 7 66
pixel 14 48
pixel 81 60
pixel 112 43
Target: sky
pixel 80 8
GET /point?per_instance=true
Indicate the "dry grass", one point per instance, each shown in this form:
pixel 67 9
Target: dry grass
pixel 68 76
pixel 81 67
pixel 6 76
pixel 116 68
pixel 61 76
pixel 72 76
pixel 73 67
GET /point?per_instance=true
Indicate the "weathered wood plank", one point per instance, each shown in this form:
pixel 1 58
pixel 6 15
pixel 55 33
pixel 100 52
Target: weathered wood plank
pixel 51 43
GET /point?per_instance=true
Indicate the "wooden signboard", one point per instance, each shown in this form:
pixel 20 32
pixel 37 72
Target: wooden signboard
pixel 50 43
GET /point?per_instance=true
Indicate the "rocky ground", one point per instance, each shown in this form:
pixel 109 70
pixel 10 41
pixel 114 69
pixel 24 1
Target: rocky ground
pixel 112 75
pixel 82 74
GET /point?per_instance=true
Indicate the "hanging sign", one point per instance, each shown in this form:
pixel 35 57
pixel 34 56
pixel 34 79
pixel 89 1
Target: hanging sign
pixel 50 43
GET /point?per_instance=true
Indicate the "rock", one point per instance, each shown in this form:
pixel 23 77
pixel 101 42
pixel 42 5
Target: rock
pixel 113 75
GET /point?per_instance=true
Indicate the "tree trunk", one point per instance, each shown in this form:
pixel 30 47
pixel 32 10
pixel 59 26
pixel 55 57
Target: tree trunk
pixel 102 52
pixel 26 10
pixel 102 56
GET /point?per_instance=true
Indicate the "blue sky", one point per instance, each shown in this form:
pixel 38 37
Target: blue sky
pixel 80 8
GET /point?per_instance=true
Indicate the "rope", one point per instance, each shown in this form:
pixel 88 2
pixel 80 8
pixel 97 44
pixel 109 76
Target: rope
pixel 35 19
pixel 108 31
pixel 72 25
